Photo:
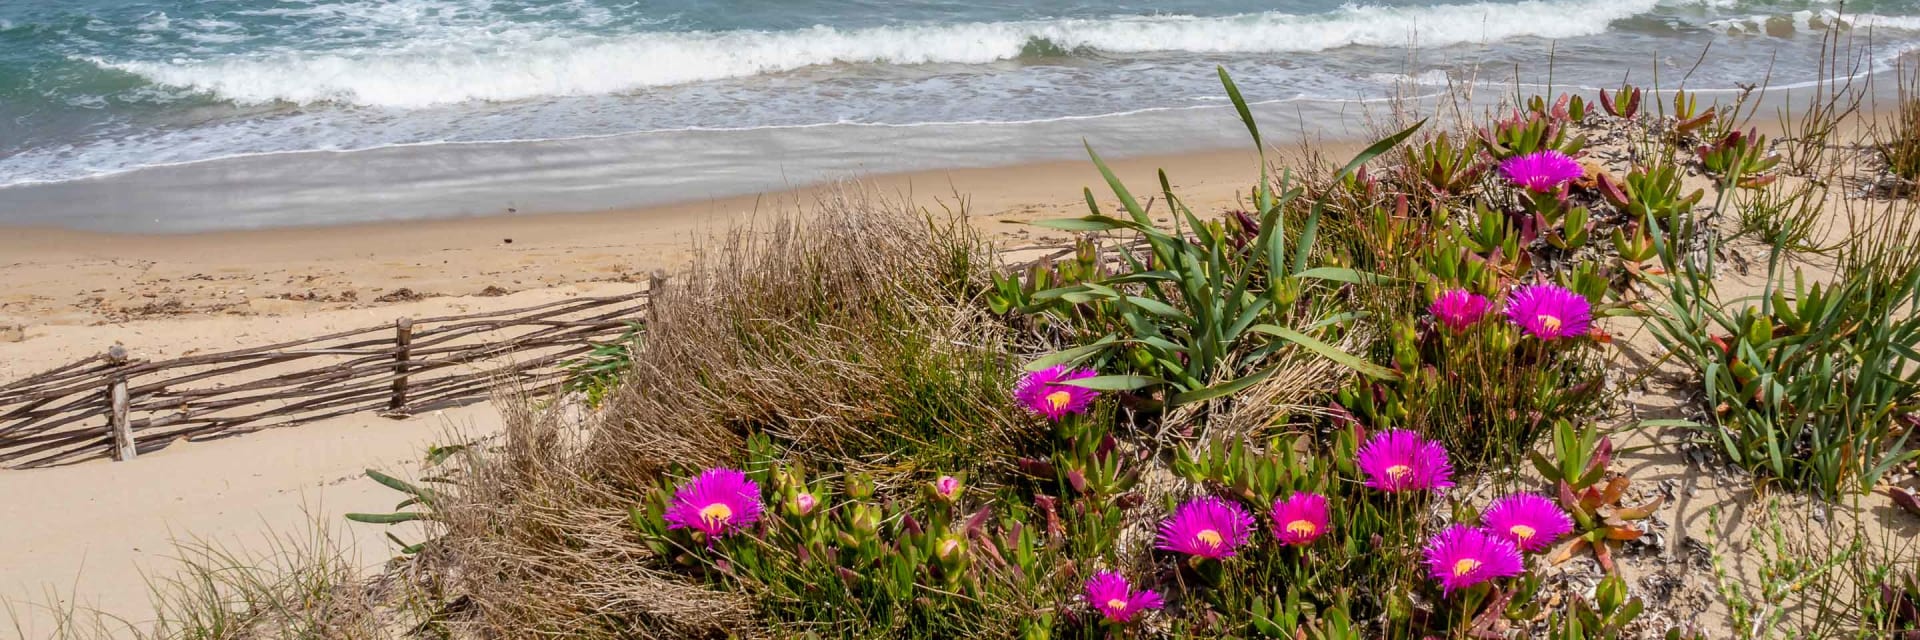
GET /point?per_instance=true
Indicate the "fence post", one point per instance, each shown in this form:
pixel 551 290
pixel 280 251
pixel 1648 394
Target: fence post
pixel 656 283
pixel 124 446
pixel 403 337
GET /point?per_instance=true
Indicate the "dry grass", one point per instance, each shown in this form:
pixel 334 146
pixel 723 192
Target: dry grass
pixel 305 585
pixel 844 335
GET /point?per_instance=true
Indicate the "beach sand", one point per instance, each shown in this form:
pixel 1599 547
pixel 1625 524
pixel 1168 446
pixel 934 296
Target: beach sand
pixel 55 282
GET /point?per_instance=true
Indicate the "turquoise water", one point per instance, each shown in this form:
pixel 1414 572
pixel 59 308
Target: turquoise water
pixel 98 89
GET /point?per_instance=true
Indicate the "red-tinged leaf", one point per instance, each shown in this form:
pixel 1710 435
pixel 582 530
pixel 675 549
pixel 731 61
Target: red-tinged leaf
pixel 1590 501
pixel 1565 550
pixel 1640 512
pixel 1615 488
pixel 1038 468
pixel 1623 533
pixel 1604 553
pixel 1905 499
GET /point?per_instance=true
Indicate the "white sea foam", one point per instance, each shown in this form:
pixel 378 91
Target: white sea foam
pixel 522 66
pixel 1805 20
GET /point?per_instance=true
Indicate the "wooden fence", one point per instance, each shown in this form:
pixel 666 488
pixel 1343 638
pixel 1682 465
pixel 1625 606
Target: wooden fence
pixel 110 405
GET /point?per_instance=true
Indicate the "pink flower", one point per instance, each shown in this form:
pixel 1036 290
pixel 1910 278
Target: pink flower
pixel 1529 521
pixel 1463 556
pixel 1459 308
pixel 947 488
pixel 1043 394
pixel 1549 311
pixel 1206 527
pixel 718 503
pixel 1399 460
pixel 1300 519
pixel 1541 171
pixel 1115 599
pixel 804 503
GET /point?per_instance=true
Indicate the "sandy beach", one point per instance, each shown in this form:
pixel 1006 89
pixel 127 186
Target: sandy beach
pixel 56 282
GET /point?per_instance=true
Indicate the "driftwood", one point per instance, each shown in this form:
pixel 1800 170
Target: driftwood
pixel 111 406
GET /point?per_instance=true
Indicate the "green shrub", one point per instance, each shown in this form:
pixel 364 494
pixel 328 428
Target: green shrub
pixel 1809 384
pixel 1209 309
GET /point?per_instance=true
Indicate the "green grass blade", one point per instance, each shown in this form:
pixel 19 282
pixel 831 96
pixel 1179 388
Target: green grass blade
pixel 1327 351
pixel 387 518
pixel 1223 389
pixel 1089 223
pixel 1072 355
pixel 1114 382
pixel 1120 191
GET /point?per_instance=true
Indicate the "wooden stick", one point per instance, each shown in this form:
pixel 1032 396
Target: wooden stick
pixel 124 448
pixel 403 337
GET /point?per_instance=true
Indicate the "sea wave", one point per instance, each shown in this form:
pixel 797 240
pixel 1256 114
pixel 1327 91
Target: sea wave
pixel 409 77
pixel 1810 21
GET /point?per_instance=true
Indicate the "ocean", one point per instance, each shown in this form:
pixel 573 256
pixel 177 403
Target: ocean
pixel 188 115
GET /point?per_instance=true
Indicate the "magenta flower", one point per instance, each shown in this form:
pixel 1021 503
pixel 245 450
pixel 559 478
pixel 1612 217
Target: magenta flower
pixel 1550 311
pixel 1300 519
pixel 1043 394
pixel 1115 599
pixel 1459 308
pixel 1399 460
pixel 1206 527
pixel 718 503
pixel 946 488
pixel 1529 521
pixel 1541 171
pixel 1463 556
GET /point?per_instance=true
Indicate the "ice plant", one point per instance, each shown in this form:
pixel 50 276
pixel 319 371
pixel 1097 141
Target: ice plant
pixel 1459 308
pixel 1299 519
pixel 717 503
pixel 1541 171
pixel 947 488
pixel 1116 600
pixel 1529 521
pixel 1206 527
pixel 1043 394
pixel 1399 460
pixel 1549 311
pixel 1463 556
pixel 804 503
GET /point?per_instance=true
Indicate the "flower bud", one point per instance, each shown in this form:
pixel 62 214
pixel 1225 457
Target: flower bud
pixel 859 486
pixel 947 489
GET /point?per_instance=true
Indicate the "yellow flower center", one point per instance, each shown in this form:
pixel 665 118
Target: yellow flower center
pixel 1522 532
pixel 1209 536
pixel 1059 400
pixel 1465 567
pixel 1550 323
pixel 1301 528
pixel 1399 471
pixel 716 514
pixel 1117 604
